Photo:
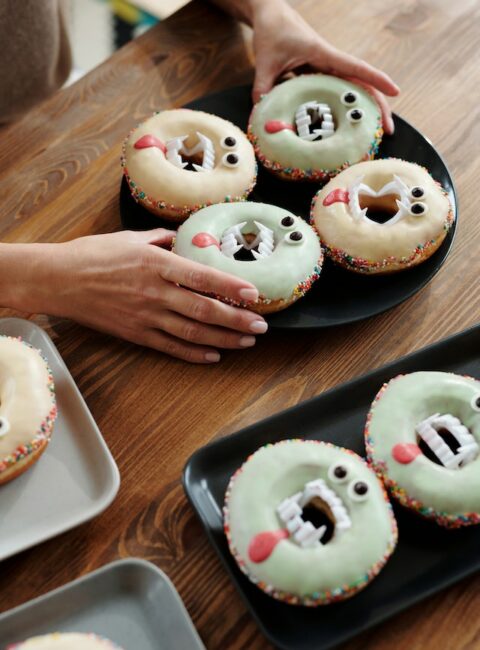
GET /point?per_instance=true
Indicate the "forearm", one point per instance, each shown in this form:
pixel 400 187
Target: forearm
pixel 246 10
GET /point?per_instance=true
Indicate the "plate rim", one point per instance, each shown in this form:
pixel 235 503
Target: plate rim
pixel 112 480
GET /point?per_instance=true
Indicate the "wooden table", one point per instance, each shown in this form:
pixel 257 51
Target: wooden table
pixel 60 178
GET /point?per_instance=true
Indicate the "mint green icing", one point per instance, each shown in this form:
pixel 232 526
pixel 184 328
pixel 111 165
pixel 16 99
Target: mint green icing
pixel 408 400
pixel 277 276
pixel 350 142
pixel 278 471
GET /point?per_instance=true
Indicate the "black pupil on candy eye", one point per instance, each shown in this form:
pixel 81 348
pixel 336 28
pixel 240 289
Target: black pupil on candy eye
pixel 417 208
pixel 232 158
pixel 296 236
pixel 417 192
pixel 349 98
pixel 477 402
pixel 360 488
pixel 287 221
pixel 340 472
pixel 356 115
pixel 230 142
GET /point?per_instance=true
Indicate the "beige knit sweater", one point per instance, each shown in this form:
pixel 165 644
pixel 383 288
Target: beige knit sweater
pixel 35 56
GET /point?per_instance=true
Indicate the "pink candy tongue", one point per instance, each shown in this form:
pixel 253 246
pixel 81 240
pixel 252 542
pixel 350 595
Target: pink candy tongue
pixel 273 126
pixel 148 141
pixel 204 239
pixel 405 453
pixel 262 545
pixel 338 195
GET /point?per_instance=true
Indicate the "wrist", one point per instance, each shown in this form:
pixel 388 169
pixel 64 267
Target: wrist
pixel 26 276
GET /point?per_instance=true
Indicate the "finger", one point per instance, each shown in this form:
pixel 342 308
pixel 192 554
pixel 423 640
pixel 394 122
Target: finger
pixel 264 80
pixel 343 64
pixel 203 334
pixel 387 119
pixel 211 311
pixel 205 279
pixel 179 349
pixel 158 236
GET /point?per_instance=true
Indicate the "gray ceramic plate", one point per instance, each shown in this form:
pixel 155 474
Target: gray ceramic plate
pixel 130 602
pixel 76 477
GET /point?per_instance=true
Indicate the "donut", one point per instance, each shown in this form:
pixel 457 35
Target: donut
pixel 313 126
pixel 423 436
pixel 308 522
pixel 181 160
pixel 67 641
pixel 266 245
pixel 27 406
pixel 381 216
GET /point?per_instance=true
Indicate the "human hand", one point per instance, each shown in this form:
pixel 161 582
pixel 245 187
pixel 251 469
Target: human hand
pixel 284 42
pixel 125 284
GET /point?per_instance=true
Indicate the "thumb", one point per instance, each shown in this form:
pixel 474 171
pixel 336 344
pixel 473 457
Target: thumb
pixel 264 80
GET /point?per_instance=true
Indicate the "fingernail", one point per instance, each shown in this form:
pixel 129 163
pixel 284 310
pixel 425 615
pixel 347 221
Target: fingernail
pixel 258 326
pixel 250 295
pixel 391 126
pixel 247 341
pixel 212 357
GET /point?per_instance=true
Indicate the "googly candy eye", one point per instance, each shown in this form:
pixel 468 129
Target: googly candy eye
pixel 475 403
pixel 349 98
pixel 295 237
pixel 230 160
pixel 4 426
pixel 287 223
pixel 358 491
pixel 338 473
pixel 229 142
pixel 355 115
pixel 417 192
pixel 418 209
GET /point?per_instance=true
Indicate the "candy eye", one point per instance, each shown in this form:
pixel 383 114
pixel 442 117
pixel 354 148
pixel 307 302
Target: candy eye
pixel 294 237
pixel 228 143
pixel 287 222
pixel 417 192
pixel 230 160
pixel 417 209
pixel 4 426
pixel 338 473
pixel 358 491
pixel 349 98
pixel 355 115
pixel 475 403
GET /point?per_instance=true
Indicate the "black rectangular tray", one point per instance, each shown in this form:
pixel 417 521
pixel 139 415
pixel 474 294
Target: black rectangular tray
pixel 427 559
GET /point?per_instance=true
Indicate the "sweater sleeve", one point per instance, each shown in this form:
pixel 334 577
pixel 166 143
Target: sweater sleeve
pixel 36 57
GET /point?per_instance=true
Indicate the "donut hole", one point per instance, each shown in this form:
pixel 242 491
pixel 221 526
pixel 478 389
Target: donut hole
pixel 379 208
pixel 255 243
pixel 316 119
pixel 318 513
pixel 191 160
pixel 447 437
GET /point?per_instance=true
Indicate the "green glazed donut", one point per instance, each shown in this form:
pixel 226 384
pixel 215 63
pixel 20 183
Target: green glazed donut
pixel 266 245
pixel 423 437
pixel 307 522
pixel 313 126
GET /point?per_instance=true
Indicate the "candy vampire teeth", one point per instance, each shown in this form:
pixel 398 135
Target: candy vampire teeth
pixel 304 532
pixel 429 429
pixel 177 146
pixel 234 240
pixel 397 186
pixel 311 113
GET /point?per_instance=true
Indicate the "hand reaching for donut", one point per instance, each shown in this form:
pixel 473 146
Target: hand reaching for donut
pixel 125 284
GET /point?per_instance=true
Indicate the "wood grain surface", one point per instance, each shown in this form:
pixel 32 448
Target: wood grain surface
pixel 60 177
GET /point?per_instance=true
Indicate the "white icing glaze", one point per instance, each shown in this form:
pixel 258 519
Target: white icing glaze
pixel 25 397
pixel 346 227
pixel 279 267
pixel 67 641
pixel 186 132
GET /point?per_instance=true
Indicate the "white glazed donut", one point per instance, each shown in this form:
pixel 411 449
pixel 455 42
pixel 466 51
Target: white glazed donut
pixel 313 126
pixel 308 522
pixel 27 406
pixel 181 160
pixel 264 244
pixel 381 216
pixel 66 641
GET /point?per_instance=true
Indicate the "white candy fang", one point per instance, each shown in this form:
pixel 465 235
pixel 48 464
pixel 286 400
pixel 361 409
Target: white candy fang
pixel 396 186
pixel 429 429
pixel 304 532
pixel 303 120
pixel 233 240
pixel 177 146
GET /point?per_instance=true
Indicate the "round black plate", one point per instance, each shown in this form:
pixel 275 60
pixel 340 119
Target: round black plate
pixel 339 296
